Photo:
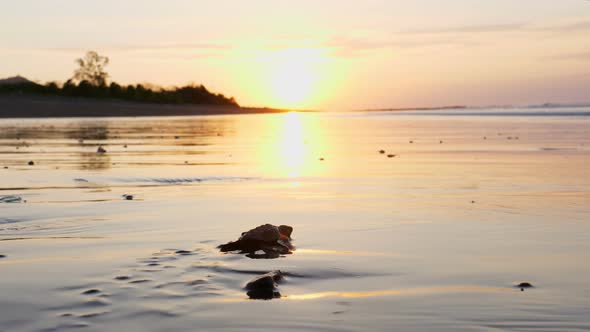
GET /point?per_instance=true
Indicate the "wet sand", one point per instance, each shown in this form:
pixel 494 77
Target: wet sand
pixel 433 239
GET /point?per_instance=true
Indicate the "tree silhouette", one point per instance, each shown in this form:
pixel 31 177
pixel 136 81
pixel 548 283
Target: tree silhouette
pixel 92 69
pixel 90 81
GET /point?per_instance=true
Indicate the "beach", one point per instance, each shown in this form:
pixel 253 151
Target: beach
pixel 433 234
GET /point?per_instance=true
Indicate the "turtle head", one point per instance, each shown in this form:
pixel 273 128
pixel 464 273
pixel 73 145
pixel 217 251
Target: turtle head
pixel 285 231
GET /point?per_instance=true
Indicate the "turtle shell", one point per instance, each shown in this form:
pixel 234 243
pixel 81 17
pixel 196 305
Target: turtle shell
pixel 264 233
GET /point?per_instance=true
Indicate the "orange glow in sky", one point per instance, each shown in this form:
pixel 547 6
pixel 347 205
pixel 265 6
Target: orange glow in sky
pixel 329 54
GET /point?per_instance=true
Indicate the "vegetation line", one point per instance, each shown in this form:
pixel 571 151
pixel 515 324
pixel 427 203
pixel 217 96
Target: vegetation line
pixel 90 80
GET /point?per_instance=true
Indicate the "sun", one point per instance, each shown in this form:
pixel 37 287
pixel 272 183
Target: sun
pixel 294 76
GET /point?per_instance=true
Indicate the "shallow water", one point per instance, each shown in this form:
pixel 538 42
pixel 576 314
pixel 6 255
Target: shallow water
pixel 433 238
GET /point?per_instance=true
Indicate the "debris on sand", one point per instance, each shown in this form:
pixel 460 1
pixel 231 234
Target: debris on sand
pixel 11 199
pixel 91 291
pixel 271 240
pixel 524 285
pixel 264 287
pixel 101 150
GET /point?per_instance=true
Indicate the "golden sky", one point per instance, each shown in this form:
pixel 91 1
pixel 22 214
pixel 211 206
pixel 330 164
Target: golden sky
pixel 322 54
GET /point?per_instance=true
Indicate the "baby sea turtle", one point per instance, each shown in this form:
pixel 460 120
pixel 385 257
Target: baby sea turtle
pixel 270 239
pixel 264 287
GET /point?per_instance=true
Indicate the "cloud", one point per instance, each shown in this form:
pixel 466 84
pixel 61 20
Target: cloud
pixel 575 26
pixel 469 29
pixel 173 46
pixel 580 56
pixel 580 26
pixel 356 46
pixel 182 51
pixel 163 47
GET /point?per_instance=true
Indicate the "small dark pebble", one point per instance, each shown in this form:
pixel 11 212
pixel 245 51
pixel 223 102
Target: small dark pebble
pixel 182 252
pixel 485 137
pixel 153 264
pixel 390 155
pixel 472 202
pixel 122 278
pixel 31 163
pixel 381 151
pixel 176 137
pixel 128 197
pixel 322 159
pixel 101 150
pixel 441 142
pixel 5 167
pixel 125 146
pixel 411 142
pixel 91 291
pixel 2 256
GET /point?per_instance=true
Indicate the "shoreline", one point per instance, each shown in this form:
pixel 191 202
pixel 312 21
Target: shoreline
pixel 30 106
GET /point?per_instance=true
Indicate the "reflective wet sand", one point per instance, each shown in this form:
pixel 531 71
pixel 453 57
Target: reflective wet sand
pixel 432 238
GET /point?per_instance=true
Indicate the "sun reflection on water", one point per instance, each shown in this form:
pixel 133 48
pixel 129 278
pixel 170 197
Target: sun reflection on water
pixel 398 292
pixel 292 150
pixel 293 146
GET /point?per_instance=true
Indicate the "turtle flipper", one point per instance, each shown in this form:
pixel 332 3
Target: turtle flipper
pixel 230 246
